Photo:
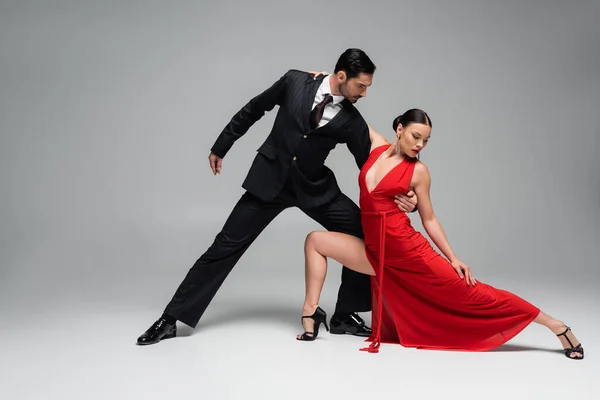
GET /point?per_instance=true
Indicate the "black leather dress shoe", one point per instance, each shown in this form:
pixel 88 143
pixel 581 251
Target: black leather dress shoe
pixel 158 331
pixel 352 325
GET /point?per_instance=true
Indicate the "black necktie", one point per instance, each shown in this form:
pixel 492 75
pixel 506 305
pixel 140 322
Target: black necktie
pixel 317 113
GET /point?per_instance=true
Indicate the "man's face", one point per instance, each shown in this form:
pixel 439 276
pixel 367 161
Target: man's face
pixel 355 88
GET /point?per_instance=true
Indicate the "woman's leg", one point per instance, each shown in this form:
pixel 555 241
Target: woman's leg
pixel 319 245
pixel 558 327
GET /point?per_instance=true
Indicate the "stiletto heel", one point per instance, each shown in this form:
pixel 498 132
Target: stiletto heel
pixel 572 349
pixel 320 317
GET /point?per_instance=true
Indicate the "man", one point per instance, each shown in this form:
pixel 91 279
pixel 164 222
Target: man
pixel 315 114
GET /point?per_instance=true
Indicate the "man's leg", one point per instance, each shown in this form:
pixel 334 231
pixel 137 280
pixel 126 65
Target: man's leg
pixel 248 219
pixel 343 215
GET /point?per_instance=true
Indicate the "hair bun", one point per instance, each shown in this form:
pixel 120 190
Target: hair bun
pixel 397 122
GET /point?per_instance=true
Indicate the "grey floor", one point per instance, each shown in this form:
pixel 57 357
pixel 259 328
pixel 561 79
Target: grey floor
pixel 72 336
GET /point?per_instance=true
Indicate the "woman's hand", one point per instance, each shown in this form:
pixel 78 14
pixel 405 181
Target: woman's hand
pixel 316 74
pixel 463 271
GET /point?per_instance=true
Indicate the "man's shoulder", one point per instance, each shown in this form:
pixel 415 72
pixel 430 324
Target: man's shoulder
pixel 297 74
pixel 356 115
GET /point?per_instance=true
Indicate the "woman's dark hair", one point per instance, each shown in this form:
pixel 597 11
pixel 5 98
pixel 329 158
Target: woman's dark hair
pixel 412 116
pixel 354 62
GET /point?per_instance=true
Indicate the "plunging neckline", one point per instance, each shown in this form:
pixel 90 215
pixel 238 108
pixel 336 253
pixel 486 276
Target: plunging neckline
pixel 385 176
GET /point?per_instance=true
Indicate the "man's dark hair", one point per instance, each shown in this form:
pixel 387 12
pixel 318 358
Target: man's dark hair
pixel 353 62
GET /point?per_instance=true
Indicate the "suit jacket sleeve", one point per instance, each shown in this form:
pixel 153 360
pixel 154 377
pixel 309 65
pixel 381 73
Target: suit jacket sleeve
pixel 248 115
pixel 360 145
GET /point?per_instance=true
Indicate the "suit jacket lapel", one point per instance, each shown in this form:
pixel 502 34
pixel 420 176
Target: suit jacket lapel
pixel 341 117
pixel 310 91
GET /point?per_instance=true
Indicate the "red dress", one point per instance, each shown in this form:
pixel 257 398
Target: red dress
pixel 418 298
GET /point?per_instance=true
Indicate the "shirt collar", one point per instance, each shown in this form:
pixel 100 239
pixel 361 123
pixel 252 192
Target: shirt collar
pixel 326 89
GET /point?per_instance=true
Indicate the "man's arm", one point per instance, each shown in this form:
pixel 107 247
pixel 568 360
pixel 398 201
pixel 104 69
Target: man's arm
pixel 360 145
pixel 248 115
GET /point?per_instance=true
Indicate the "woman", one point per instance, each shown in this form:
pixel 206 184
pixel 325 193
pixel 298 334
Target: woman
pixel 420 299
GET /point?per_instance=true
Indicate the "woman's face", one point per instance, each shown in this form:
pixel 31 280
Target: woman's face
pixel 412 138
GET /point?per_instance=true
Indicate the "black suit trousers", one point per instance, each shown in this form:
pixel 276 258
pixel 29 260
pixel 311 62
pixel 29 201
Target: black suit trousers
pixel 248 219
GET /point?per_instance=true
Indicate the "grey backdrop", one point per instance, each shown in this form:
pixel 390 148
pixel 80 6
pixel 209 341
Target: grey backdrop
pixel 108 111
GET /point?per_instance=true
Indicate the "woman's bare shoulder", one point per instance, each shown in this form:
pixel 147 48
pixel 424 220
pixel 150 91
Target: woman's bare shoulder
pixel 421 171
pixel 377 139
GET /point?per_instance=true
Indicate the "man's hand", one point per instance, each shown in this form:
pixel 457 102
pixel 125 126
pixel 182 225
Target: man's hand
pixel 215 163
pixel 406 202
pixel 316 74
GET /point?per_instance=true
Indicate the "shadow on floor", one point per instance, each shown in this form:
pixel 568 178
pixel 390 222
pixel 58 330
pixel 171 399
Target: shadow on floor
pixel 283 315
pixel 515 347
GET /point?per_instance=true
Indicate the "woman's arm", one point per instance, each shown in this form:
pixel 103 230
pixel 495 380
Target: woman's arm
pixel 377 139
pixel 422 185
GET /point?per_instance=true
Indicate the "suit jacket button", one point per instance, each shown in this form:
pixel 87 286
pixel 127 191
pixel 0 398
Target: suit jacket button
pixel 294 158
pixel 305 136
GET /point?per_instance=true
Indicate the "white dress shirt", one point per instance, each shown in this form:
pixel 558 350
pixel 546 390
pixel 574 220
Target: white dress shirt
pixel 332 108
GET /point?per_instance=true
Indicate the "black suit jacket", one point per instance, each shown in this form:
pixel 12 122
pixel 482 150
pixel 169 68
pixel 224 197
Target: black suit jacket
pixel 292 150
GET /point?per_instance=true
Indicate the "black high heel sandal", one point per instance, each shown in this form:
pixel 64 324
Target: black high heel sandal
pixel 320 317
pixel 572 349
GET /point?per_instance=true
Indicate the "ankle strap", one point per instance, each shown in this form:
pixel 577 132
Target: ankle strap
pixel 565 332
